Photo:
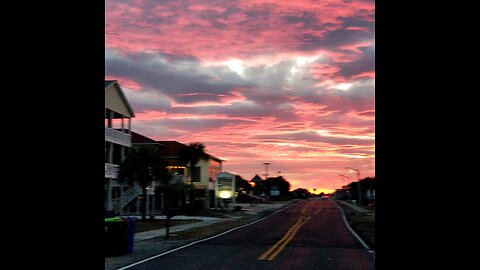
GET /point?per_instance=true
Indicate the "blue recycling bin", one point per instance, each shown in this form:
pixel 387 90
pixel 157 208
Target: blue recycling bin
pixel 132 228
pixel 109 213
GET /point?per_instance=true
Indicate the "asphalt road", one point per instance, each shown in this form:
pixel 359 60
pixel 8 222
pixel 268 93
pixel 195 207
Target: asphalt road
pixel 308 235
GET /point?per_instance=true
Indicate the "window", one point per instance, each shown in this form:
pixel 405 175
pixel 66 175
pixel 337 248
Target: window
pixel 196 174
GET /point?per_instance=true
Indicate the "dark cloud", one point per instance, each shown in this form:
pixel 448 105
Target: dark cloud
pixel 147 101
pixel 354 22
pixel 307 18
pixel 352 31
pixel 177 76
pixel 365 63
pixel 333 39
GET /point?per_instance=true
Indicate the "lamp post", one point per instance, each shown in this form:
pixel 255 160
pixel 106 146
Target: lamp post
pixel 266 169
pixel 344 176
pixel 344 186
pixel 358 181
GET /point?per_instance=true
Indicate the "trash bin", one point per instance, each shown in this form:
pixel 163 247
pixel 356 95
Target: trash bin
pixel 109 213
pixel 132 228
pixel 116 236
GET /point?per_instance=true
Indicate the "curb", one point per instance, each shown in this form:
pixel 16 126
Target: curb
pixel 352 231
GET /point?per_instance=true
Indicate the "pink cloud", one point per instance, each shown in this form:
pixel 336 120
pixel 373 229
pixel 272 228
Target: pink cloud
pixel 356 28
pixel 324 71
pixel 197 7
pixel 364 75
pixel 189 28
pixel 356 46
pixel 306 163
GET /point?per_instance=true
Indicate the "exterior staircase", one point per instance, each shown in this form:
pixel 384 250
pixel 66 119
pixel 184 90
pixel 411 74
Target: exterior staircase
pixel 127 197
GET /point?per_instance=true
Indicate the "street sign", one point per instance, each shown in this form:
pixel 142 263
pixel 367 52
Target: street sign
pixel 225 185
pixel 274 191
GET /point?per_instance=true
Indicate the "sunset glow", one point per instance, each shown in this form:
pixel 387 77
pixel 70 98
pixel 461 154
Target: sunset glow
pixel 291 83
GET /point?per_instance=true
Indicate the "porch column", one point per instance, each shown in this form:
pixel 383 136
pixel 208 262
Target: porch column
pixel 122 153
pixel 109 194
pixel 162 199
pixel 121 198
pixel 110 119
pixel 153 200
pixel 147 204
pixel 110 153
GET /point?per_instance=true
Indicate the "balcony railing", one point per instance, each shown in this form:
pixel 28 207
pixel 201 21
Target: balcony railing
pixel 118 137
pixel 178 179
pixel 111 170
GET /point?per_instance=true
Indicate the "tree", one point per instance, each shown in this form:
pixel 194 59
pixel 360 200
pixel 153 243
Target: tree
pixel 279 182
pixel 144 164
pixel 365 184
pixel 189 156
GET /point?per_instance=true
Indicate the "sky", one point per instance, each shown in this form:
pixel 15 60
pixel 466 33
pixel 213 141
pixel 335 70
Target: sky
pixel 291 83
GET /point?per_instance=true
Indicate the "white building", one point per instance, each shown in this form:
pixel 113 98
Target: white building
pixel 118 115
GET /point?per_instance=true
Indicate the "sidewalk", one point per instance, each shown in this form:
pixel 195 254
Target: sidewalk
pixel 151 243
pixel 247 209
pixel 162 232
pixel 357 208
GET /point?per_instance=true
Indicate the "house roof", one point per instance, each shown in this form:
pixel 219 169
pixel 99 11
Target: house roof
pixel 113 83
pixel 172 148
pixel 256 178
pixel 139 138
pixel 108 82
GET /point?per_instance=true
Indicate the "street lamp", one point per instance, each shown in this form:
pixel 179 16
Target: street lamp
pixel 266 169
pixel 358 181
pixel 344 187
pixel 344 176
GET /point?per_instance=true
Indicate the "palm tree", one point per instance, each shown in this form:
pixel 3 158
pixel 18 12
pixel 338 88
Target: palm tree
pixel 144 164
pixel 189 156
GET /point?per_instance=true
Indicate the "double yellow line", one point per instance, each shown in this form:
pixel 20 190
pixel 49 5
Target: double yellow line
pixel 272 252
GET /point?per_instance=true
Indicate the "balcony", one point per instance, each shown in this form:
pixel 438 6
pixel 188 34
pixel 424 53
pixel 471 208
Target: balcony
pixel 111 170
pixel 118 137
pixel 177 180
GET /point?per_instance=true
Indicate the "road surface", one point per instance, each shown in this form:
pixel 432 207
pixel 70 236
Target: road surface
pixel 310 234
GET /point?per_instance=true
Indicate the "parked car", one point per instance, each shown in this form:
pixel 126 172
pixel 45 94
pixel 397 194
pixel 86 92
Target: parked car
pixel 248 198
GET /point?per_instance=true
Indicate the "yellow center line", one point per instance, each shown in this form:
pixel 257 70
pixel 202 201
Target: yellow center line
pixel 282 246
pixel 273 251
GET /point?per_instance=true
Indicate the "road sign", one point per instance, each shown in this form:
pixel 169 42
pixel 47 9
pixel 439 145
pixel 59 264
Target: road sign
pixel 225 185
pixel 274 191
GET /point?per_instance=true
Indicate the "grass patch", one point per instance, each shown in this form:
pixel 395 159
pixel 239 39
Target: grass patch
pixel 362 223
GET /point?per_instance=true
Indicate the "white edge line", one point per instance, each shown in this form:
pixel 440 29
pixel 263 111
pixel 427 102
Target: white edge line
pixel 202 240
pixel 352 231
